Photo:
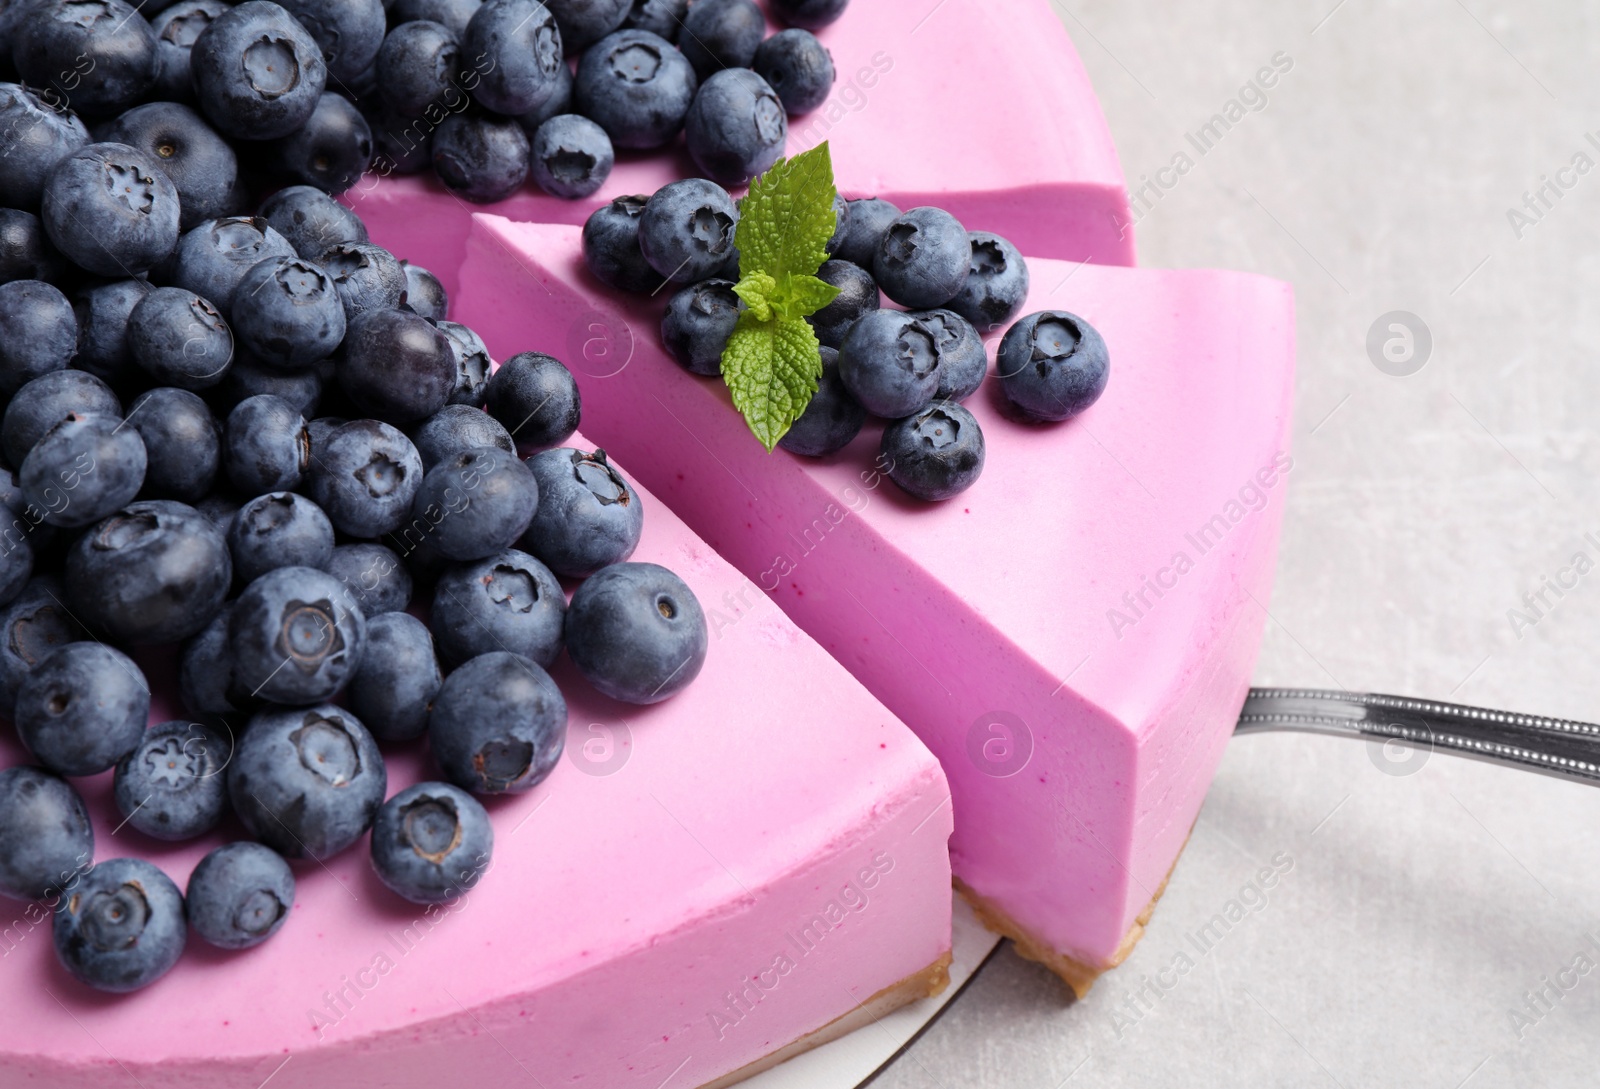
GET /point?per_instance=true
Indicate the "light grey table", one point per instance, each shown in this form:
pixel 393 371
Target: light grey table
pixel 1424 903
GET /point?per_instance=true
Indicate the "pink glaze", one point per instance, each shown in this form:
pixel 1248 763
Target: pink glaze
pixel 994 622
pixel 619 912
pixel 982 109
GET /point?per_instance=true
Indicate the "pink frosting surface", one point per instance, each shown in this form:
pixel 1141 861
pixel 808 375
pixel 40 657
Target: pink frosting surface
pixel 1072 636
pixel 697 884
pixel 983 109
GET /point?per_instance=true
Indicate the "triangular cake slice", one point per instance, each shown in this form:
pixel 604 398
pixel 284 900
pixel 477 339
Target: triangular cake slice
pixel 1072 636
pixel 701 888
pixel 983 109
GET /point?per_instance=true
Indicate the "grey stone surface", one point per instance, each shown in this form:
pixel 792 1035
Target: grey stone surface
pixel 1421 908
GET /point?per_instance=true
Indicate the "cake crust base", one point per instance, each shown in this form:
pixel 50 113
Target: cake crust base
pixel 924 984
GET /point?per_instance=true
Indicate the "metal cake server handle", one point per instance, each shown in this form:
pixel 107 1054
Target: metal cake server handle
pixel 1553 746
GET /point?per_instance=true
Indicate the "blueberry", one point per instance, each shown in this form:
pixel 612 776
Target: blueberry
pixel 697 324
pixel 509 601
pixel 832 418
pixel 34 137
pixel 611 246
pixel 374 576
pixel 472 363
pixel 516 48
pixel 332 150
pixel 841 224
pixel 38 332
pixel 25 252
pixel 32 626
pixel 365 478
pixel 402 145
pixel 398 679
pixel 963 360
pixel 182 441
pixel 349 32
pixel 865 225
pixel 588 515
pixel 205 672
pixel 247 378
pixel 37 407
pixel 935 453
pixel 180 339
pixel 287 311
pixel 102 315
pixel 455 429
pixel 279 529
pixel 397 366
pixel 560 101
pixel 536 400
pixel 432 843
pixel 82 469
pixel 452 14
pixel 46 841
pixel 811 14
pixel 858 293
pixel 98 54
pixel 122 928
pixel 721 34
pixel 420 66
pixel 265 448
pixel 424 293
pixel 240 895
pixel 571 156
pixel 111 210
pixel 636 632
pixel 889 363
pixel 200 163
pixel 797 67
pixel 214 256
pixel 686 229
pixel 367 277
pixel 307 781
pixel 257 73
pixel 171 785
pixel 478 502
pixel 996 285
pixel 663 17
pixel 923 258
pixel 176 29
pixel 218 510
pixel 637 86
pixel 311 221
pixel 1053 365
pixel 498 725
pixel 295 636
pixel 82 709
pixel 737 127
pixel 154 572
pixel 480 158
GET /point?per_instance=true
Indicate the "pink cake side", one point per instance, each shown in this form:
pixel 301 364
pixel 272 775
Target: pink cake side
pixel 697 884
pixel 985 111
pixel 1077 678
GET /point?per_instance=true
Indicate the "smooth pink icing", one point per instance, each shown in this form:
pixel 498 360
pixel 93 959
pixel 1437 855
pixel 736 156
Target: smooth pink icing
pixel 996 603
pixel 619 911
pixel 982 109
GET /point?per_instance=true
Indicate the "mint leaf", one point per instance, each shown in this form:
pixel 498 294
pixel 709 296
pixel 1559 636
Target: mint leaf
pixel 772 361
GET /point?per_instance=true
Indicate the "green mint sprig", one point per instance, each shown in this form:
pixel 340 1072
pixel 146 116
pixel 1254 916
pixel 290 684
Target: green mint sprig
pixel 772 361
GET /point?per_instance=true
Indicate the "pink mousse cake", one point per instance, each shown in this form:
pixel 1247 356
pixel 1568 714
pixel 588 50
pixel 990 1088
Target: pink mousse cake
pixel 702 888
pixel 1073 636
pixel 982 109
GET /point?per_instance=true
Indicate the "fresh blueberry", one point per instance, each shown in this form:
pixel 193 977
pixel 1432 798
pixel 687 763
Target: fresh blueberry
pixel 365 478
pixel 923 258
pixel 176 29
pixel 349 32
pixel 214 256
pixel 46 841
pixel 663 17
pixel 171 785
pixel 963 360
pixel 811 14
pixel 25 252
pixel 240 895
pixel 424 292
pixel 295 636
pixel 37 407
pixel 100 55
pixel 257 73
pixel 332 149
pixel 265 448
pixel 480 158
pixel 737 127
pixel 17 549
pixel 584 22
pixel 402 145
pixel 498 725
pixel 82 469
pixel 1053 365
pixel 432 843
pixel 182 442
pixel 307 781
pixel 636 632
pixel 637 86
pixel 559 102
pixel 721 34
pixel 319 429
pixel 218 510
pixel 611 246
pixel 452 14
pixel 571 156
pixel 455 429
pixel 32 626
pixel 279 529
pixel 697 324
pixel 509 601
pixel 536 400
pixel 154 572
pixel 367 277
pixel 102 313
pixel 398 679
pixel 865 225
pixel 111 209
pixel 841 224
pixel 588 515
pixel 200 163
pixel 180 339
pixel 797 67
pixel 997 283
pixel 82 709
pixel 516 48
pixel 374 576
pixel 858 293
pixel 34 137
pixel 397 366
pixel 686 229
pixel 205 672
pixel 38 332
pixel 420 66
pixel 311 221
pixel 287 311
pixel 478 502
pixel 122 928
pixel 247 378
pixel 889 363
pixel 832 418
pixel 935 453
pixel 472 363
